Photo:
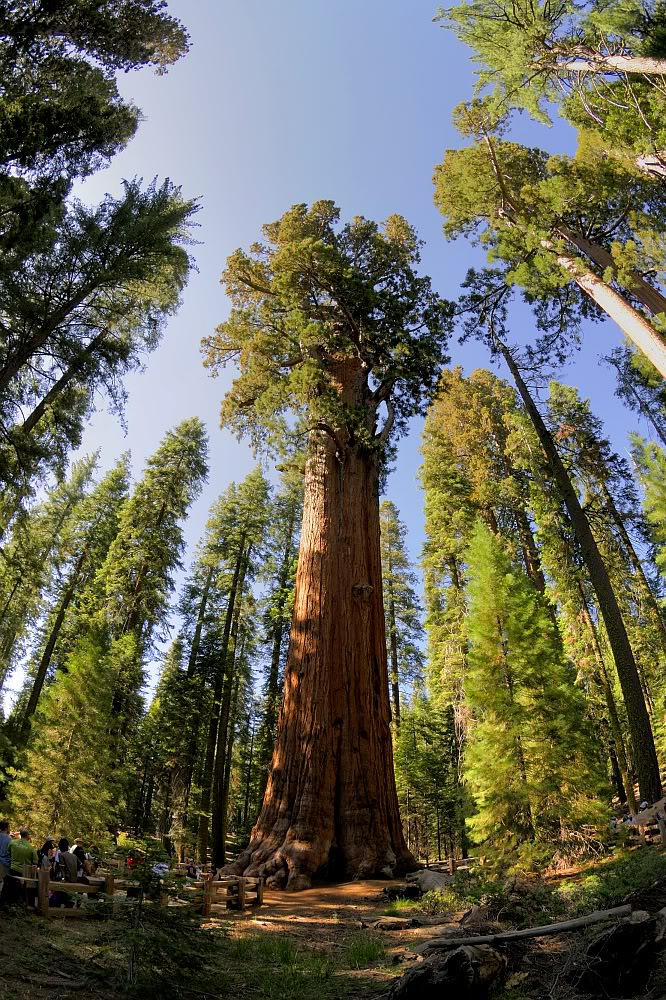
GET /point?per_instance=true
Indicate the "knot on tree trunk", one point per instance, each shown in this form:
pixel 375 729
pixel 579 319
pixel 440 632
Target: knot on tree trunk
pixel 362 591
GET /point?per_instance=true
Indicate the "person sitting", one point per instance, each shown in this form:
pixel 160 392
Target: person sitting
pixel 46 853
pixel 5 841
pixel 21 852
pixel 68 862
pixel 79 853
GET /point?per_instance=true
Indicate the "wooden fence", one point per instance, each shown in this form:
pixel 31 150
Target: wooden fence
pixel 231 892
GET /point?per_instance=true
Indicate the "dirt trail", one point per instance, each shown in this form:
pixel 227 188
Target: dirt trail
pixel 328 914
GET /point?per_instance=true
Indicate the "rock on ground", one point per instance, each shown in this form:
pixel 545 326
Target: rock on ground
pixel 466 973
pixel 429 880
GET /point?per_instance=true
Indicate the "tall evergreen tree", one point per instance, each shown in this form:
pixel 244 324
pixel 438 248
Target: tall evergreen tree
pixel 334 324
pixel 123 609
pixel 528 763
pixel 559 227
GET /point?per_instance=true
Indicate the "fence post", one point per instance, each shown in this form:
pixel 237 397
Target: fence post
pixel 260 891
pixel 43 878
pixel 207 896
pixel 452 866
pixel 109 885
pixel 241 893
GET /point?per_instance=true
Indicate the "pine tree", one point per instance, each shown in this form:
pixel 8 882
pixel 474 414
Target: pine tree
pixel 640 387
pixel 32 558
pixel 86 539
pixel 280 572
pixel 528 763
pixel 122 610
pixel 559 227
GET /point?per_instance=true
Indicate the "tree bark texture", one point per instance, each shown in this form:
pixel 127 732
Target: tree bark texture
pixel 647 767
pixel 331 807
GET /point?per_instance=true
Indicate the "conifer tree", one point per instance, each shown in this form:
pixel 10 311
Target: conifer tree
pixel 123 609
pixel 402 609
pixel 529 52
pixel 280 571
pixel 640 387
pixel 331 323
pixel 428 779
pixel 647 766
pixel 558 226
pixel 86 539
pixel 529 765
pixel 32 558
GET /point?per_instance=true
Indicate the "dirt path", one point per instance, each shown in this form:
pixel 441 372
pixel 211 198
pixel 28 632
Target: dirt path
pixel 327 915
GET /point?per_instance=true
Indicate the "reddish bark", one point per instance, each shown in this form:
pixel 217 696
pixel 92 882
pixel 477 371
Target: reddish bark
pixel 330 809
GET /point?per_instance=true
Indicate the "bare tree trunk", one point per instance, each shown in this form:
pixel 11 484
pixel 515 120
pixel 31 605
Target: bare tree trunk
pixel 639 331
pixel 637 566
pixel 219 824
pixel 331 806
pixel 642 290
pixel 69 375
pixel 394 673
pixel 266 737
pixel 246 803
pixel 224 806
pixel 647 767
pixel 611 707
pixel 653 164
pixel 194 722
pixel 590 61
pixel 207 776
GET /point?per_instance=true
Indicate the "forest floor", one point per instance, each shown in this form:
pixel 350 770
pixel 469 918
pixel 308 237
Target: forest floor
pixel 314 945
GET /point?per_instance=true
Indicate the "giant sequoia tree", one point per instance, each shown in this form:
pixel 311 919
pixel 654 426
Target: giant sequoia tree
pixel 331 322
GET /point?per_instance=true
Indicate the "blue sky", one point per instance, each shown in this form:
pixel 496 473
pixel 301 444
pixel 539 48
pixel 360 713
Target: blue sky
pixel 285 101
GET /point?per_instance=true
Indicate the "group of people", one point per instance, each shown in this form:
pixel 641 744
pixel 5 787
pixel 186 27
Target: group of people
pixel 66 863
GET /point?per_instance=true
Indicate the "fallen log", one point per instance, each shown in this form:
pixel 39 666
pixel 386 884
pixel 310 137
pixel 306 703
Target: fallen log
pixel 529 932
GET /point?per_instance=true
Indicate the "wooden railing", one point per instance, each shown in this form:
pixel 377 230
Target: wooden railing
pixel 232 892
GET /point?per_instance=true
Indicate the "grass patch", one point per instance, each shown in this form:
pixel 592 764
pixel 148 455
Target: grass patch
pixel 403 908
pixel 607 883
pixel 362 951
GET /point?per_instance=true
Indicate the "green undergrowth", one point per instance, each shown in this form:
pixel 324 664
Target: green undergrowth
pixel 177 958
pixel 609 882
pixel 527 901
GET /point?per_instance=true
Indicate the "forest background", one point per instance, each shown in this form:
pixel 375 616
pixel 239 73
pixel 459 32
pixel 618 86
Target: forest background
pixel 256 118
pixel 95 588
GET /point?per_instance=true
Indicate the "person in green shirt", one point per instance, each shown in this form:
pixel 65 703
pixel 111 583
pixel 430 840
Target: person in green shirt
pixel 21 852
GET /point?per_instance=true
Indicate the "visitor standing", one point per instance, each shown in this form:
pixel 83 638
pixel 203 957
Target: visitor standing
pixel 5 841
pixel 21 852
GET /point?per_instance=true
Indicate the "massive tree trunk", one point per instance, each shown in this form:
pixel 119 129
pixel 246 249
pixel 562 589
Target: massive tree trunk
pixel 645 755
pixel 331 807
